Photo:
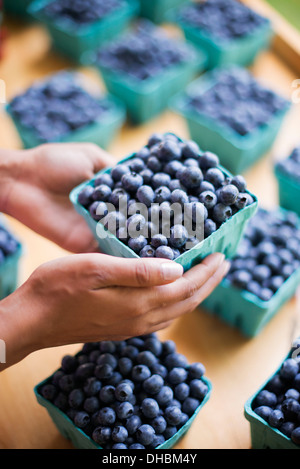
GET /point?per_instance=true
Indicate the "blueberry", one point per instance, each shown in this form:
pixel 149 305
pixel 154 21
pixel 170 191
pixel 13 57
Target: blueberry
pixel 154 164
pixel 196 370
pixel 164 252
pixel 172 167
pixel 145 434
pixel 190 405
pixel 132 181
pixel 240 182
pixel 164 396
pixel 169 150
pixel 295 436
pixel 105 417
pixel 102 435
pixel 290 408
pixel 124 410
pixel 49 392
pixel 91 404
pixel 215 177
pixel 107 394
pixel 209 227
pixel 159 424
pixel 208 198
pixel 179 196
pixel 159 240
pixel 146 357
pixel 137 244
pixel 263 411
pixel 287 428
pixel 198 389
pixel 241 201
pixel 153 384
pixel 191 177
pixel 136 165
pixel 140 373
pixel 241 279
pixel 173 415
pixel 147 251
pixel 123 392
pixel 104 178
pixel 170 431
pixel 162 194
pixel 228 194
pixel 147 176
pixel 181 391
pixel 209 160
pixel 103 372
pixel 266 398
pixel 102 193
pixel 276 418
pixel 289 369
pixel 76 398
pixel 85 195
pixel 150 408
pixel 174 359
pixel 118 172
pixel 145 195
pixel 155 138
pixel 160 179
pixel 67 383
pixel 222 213
pixel 119 434
pixel 82 419
pixel 178 236
pixel 133 423
pixel 177 375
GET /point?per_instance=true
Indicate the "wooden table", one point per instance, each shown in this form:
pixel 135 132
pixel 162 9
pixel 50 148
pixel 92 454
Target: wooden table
pixel 236 366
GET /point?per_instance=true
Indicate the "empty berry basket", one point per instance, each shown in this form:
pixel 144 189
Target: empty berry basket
pixel 241 48
pixel 74 39
pixel 238 146
pixel 278 435
pixel 225 239
pixel 147 97
pixel 62 109
pixel 287 175
pixel 244 309
pixel 157 10
pixel 88 426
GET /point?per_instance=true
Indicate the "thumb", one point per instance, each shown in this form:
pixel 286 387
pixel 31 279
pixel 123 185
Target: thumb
pixel 117 271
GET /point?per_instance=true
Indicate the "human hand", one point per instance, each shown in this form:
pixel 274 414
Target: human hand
pixel 93 297
pixel 39 187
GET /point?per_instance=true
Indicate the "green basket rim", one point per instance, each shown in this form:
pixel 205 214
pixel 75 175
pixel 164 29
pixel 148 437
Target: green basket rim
pixel 286 177
pixel 202 84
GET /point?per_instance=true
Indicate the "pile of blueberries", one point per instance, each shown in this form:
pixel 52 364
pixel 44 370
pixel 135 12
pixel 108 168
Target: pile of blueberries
pixel 279 402
pixel 133 394
pixel 225 20
pixel 8 244
pixel 166 173
pixel 268 254
pixel 143 53
pixel 56 107
pixel 236 100
pixel 291 165
pixel 81 12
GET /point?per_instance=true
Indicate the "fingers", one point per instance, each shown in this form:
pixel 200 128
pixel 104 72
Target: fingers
pixel 100 158
pixel 112 271
pixel 174 311
pixel 189 284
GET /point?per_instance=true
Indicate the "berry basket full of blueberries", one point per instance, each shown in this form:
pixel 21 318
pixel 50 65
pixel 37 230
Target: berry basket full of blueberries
pixel 77 28
pixel 10 254
pixel 139 393
pixel 264 274
pixel 167 200
pixel 287 174
pixel 228 31
pixel 228 111
pixel 60 108
pixel 145 67
pixel 274 410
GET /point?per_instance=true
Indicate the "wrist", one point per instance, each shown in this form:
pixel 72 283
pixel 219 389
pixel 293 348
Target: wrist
pixel 18 326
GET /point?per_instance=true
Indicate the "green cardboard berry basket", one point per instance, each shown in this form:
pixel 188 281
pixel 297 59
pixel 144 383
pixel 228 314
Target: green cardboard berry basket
pixel 242 51
pixel 75 42
pixel 244 310
pixel 81 440
pixel 289 191
pixel 17 7
pixel 237 153
pixel 224 240
pixel 263 436
pixel 156 10
pixel 101 132
pixel 9 270
pixel 145 100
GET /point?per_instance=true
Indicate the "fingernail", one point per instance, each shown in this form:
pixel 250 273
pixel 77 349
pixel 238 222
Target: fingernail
pixel 220 258
pixel 171 270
